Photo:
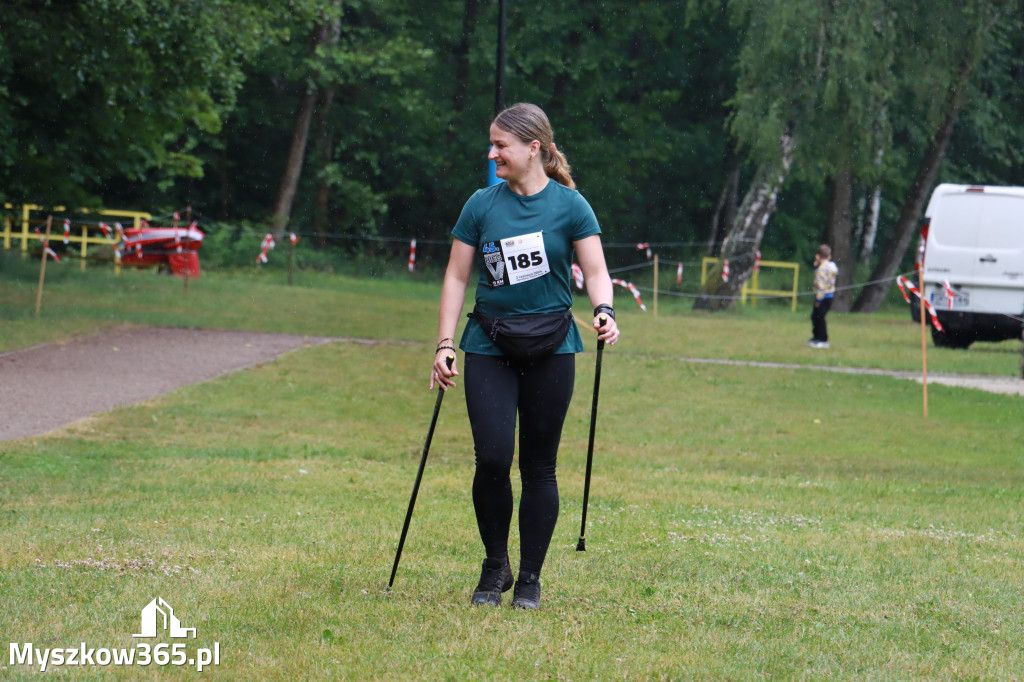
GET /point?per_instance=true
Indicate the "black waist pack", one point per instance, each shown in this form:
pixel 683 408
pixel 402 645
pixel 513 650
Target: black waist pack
pixel 526 336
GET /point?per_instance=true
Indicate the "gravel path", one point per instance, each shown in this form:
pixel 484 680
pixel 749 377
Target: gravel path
pixel 982 382
pixel 50 386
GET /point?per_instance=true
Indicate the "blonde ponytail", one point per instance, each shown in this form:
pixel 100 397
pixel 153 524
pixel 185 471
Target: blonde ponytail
pixel 557 166
pixel 528 122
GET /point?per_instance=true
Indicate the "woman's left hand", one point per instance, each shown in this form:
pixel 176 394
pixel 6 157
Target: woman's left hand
pixel 606 328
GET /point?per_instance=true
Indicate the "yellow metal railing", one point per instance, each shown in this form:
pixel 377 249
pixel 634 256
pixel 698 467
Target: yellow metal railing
pixel 752 287
pixel 80 232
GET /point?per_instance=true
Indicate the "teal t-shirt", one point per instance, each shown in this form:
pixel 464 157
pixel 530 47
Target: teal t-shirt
pixel 524 253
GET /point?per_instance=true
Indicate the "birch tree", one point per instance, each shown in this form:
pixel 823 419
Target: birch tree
pixel 811 73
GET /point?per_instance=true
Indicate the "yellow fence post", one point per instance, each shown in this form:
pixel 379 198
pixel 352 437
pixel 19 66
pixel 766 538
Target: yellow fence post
pixel 796 277
pixel 24 226
pixel 704 263
pixel 83 254
pixel 752 287
pixel 24 235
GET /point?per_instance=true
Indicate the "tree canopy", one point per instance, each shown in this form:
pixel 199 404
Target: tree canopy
pixel 669 112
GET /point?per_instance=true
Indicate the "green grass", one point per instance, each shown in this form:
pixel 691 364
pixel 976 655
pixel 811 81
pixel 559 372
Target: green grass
pixel 744 523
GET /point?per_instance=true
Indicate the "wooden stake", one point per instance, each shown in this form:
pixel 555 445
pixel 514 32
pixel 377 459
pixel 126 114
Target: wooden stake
pixel 924 345
pixel 655 285
pixel 291 254
pixel 42 266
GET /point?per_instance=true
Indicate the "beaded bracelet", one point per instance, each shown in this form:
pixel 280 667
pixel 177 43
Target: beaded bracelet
pixel 441 348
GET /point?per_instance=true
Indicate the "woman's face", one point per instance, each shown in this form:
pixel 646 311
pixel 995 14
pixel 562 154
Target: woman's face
pixel 512 156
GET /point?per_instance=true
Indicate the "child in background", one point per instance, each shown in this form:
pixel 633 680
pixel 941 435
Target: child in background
pixel 825 272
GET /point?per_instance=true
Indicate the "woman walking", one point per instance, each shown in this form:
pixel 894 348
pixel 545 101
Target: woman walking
pixel 520 341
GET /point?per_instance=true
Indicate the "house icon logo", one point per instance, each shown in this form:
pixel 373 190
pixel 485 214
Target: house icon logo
pixel 158 614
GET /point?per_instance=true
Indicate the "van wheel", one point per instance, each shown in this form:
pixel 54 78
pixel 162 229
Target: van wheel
pixel 951 339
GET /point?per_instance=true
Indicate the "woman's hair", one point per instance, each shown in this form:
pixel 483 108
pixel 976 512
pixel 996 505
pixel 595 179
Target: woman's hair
pixel 528 122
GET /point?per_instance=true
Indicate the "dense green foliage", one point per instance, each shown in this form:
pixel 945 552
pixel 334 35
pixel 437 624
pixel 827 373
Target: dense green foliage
pixel 155 104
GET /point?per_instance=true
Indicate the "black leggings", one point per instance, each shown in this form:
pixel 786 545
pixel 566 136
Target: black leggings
pixel 540 390
pixel 819 327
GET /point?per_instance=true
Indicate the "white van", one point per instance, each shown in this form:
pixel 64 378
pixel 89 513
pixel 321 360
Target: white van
pixel 973 237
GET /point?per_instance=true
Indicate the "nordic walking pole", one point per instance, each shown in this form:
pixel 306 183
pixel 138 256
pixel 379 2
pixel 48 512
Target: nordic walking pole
pixel 581 546
pixel 419 475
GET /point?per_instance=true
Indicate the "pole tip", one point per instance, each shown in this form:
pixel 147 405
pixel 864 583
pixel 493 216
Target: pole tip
pixel 581 546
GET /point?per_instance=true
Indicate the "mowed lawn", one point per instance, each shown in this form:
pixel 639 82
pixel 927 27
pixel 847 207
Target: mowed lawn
pixel 744 522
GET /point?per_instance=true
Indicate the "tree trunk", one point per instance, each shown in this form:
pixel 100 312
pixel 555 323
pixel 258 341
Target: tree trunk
pixel 461 55
pixel 326 33
pixel 225 184
pixel 725 209
pixel 867 244
pixel 873 294
pixel 560 84
pixel 289 184
pixel 325 154
pixel 746 234
pixel 838 237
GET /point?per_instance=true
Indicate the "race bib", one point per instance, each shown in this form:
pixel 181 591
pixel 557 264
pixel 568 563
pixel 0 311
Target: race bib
pixel 516 260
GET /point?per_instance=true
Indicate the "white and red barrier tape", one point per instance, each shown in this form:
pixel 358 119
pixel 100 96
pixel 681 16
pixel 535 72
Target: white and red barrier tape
pixel 412 255
pixel 644 246
pixel 577 275
pixel 268 244
pixel 47 251
pixel 632 290
pixel 902 282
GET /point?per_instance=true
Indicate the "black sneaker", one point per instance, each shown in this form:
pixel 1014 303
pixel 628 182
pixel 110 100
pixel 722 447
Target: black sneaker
pixel 495 578
pixel 527 592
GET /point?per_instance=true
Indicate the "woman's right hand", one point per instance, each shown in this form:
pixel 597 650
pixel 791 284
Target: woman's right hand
pixel 444 369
